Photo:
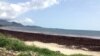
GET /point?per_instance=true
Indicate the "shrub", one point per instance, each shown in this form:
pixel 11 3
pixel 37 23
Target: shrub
pixel 79 55
pixel 11 43
pixel 28 53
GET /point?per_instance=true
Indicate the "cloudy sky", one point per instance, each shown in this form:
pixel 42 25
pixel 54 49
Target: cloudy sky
pixel 65 14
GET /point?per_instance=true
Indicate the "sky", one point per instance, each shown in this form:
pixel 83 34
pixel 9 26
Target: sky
pixel 64 14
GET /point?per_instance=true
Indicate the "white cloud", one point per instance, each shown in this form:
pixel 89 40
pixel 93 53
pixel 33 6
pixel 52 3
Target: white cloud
pixel 9 11
pixel 40 4
pixel 4 14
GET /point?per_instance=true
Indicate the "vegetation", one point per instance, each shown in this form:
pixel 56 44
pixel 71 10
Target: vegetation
pixel 17 46
pixel 79 55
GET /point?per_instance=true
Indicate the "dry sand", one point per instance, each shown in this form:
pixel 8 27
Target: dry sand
pixel 61 48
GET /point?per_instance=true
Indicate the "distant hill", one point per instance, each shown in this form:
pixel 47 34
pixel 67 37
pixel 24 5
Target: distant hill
pixel 6 23
pixel 15 24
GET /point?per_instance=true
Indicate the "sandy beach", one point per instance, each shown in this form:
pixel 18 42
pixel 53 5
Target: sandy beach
pixel 61 48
